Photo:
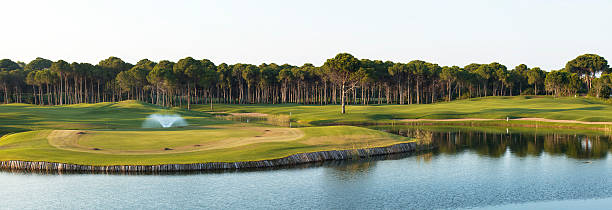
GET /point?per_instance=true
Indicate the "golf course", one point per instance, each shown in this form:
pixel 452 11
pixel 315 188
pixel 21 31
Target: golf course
pixel 112 134
pixel 105 134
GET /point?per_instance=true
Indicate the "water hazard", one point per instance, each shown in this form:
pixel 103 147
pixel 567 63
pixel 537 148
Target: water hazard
pixel 472 167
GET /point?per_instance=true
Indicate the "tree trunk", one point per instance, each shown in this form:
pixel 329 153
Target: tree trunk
pixel 188 97
pixel 343 100
pixel 211 104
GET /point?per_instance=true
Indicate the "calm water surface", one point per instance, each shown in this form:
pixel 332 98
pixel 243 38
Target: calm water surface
pixel 472 168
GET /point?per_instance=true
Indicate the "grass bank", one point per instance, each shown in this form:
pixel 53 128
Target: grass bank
pixel 580 109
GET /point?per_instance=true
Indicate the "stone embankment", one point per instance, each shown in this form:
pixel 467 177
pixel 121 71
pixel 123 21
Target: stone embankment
pixel 285 161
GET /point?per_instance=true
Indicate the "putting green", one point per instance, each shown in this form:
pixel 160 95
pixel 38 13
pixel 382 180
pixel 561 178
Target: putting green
pixel 162 141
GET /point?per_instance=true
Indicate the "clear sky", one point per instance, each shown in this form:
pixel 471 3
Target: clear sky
pixel 545 33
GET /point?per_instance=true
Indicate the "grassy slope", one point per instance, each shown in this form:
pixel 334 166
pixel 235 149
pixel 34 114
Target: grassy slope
pixel 125 114
pixel 582 109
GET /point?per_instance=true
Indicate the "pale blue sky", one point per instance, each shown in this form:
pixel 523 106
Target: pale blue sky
pixel 544 33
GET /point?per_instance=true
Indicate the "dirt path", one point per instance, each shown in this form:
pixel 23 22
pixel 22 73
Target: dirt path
pixel 524 119
pixel 446 120
pixel 248 114
pixel 564 121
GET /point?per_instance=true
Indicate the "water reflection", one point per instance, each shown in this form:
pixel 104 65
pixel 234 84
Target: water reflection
pixel 352 171
pixel 520 142
pixel 425 157
pixel 463 172
pixel 348 168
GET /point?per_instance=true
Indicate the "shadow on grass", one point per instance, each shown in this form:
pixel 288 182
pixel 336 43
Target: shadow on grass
pixel 324 122
pixel 188 128
pixel 10 130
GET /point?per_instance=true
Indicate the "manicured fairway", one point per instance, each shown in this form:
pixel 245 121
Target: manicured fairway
pixel 582 109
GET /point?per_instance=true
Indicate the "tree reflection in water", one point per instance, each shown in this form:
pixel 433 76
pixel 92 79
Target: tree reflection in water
pixel 353 170
pixel 521 142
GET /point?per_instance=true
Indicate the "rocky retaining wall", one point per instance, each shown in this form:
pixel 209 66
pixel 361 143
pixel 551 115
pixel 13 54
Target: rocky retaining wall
pixel 289 160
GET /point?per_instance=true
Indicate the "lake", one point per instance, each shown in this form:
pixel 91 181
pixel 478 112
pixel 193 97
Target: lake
pixel 470 168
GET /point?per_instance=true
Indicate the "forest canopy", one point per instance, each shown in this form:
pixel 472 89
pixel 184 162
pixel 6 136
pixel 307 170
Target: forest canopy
pixel 343 78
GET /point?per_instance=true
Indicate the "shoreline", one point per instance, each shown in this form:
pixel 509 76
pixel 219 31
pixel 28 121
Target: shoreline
pixel 528 122
pixel 294 159
pixel 517 122
pixel 535 119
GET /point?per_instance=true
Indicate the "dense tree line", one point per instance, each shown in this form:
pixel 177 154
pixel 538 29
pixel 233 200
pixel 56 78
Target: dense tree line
pixel 342 79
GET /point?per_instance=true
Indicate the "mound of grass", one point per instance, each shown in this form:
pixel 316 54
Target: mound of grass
pixel 8 130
